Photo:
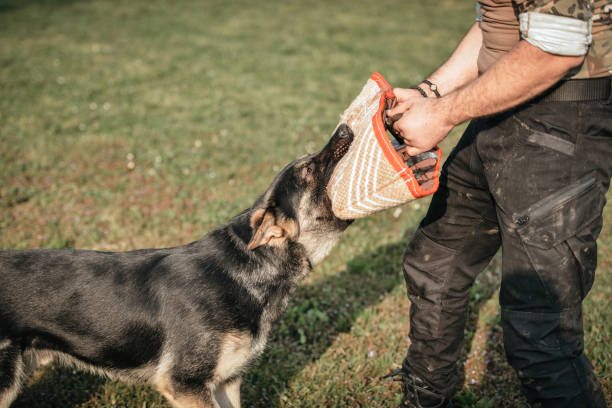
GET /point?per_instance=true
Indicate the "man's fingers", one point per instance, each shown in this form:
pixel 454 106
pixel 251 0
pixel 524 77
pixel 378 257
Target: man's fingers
pixel 413 151
pixel 403 94
pixel 397 129
pixel 391 116
pixel 399 108
pixel 423 164
pixel 401 91
pixel 394 118
pixel 399 126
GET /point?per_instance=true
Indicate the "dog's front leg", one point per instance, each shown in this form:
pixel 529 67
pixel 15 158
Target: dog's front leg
pixel 11 372
pixel 203 398
pixel 190 401
pixel 228 394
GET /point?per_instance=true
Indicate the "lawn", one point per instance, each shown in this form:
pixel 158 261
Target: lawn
pixel 146 123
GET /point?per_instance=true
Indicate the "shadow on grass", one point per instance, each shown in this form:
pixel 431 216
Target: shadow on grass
pixel 59 387
pixel 12 5
pixel 316 315
pixel 498 386
pixel 319 312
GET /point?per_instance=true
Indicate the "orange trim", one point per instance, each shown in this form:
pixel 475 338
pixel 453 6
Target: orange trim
pixel 390 154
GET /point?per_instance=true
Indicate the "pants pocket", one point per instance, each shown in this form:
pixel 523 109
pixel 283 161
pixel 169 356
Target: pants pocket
pixel 559 233
pixel 555 218
pixel 552 142
pixel 584 248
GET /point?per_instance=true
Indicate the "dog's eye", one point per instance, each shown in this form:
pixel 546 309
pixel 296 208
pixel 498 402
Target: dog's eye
pixel 307 170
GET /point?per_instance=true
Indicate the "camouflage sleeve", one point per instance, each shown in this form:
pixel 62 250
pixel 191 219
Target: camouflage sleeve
pixel 578 9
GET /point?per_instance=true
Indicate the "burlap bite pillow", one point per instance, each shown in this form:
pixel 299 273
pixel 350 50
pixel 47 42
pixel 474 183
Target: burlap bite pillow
pixel 373 176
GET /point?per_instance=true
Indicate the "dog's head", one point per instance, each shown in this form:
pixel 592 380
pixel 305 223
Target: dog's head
pixel 296 205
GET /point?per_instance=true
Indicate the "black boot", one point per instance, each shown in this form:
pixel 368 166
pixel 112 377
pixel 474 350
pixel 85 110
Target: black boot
pixel 416 393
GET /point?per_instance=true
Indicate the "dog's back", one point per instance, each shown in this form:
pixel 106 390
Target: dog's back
pixel 134 315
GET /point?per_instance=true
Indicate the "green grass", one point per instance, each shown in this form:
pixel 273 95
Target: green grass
pixel 147 123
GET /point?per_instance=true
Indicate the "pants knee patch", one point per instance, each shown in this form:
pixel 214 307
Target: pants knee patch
pixel 427 268
pixel 546 350
pixel 536 337
pixel 533 339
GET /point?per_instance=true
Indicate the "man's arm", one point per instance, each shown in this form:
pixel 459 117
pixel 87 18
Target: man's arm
pixel 518 76
pixel 458 70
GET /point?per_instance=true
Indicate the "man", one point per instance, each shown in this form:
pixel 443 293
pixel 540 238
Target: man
pixel 529 174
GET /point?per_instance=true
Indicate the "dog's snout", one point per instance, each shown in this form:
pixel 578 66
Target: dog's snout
pixel 337 147
pixel 344 131
pixel 342 141
pixel 341 150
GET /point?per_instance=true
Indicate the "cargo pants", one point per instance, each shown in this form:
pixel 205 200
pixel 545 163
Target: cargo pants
pixel 533 181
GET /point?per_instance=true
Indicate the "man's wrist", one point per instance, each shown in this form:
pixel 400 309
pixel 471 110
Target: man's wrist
pixel 451 114
pixel 431 86
pixel 420 90
pixel 427 89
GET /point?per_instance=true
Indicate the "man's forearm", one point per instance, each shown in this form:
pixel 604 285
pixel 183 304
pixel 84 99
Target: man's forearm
pixel 518 76
pixel 523 73
pixel 462 66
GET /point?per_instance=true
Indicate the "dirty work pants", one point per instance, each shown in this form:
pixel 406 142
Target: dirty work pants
pixel 533 181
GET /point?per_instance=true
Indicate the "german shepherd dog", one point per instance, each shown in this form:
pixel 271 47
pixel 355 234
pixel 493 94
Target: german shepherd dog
pixel 188 319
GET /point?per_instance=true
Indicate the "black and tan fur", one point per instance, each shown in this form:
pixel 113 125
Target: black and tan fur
pixel 188 319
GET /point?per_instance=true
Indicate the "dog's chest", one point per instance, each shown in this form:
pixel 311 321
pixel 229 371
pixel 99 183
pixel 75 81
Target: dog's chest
pixel 235 352
pixel 238 349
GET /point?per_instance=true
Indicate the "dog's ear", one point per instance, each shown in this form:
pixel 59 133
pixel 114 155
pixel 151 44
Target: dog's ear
pixel 267 229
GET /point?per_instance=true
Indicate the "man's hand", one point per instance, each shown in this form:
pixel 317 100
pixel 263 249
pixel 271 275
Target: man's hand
pixel 424 122
pixel 405 94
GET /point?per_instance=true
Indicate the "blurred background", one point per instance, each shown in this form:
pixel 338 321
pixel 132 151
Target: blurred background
pixel 146 123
